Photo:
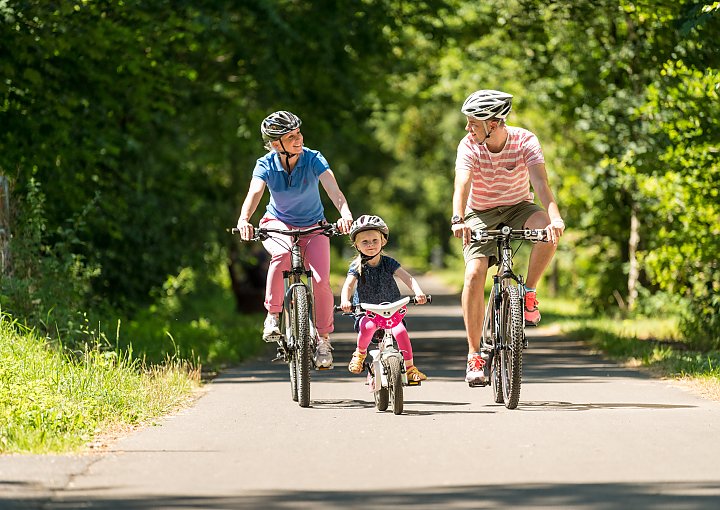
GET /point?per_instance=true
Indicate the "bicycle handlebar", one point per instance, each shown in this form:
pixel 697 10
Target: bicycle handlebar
pixel 262 233
pixel 506 232
pixel 360 309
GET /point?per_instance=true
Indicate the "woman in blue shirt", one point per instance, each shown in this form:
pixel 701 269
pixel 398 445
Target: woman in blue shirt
pixel 293 173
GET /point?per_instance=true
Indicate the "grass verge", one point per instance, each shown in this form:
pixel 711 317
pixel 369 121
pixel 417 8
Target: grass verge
pixel 55 401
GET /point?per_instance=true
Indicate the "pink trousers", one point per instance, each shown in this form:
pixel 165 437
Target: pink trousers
pixel 367 329
pixel 316 252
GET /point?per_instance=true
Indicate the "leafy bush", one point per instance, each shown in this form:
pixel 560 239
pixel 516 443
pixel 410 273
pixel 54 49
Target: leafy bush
pixel 47 283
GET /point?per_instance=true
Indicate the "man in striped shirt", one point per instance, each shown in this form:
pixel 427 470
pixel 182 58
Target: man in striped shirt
pixel 495 166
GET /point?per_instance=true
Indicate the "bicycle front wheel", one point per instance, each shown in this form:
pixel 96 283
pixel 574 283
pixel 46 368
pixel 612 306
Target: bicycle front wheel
pixel 300 319
pixel 395 384
pixel 511 350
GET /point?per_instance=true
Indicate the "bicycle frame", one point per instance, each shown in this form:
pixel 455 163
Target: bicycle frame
pixel 501 279
pixel 297 341
pixel 503 335
pixel 386 347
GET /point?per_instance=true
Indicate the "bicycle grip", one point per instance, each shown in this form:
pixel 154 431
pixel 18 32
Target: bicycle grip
pixel 428 296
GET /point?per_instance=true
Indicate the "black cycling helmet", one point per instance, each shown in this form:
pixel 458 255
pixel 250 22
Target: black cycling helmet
pixel 368 222
pixel 277 124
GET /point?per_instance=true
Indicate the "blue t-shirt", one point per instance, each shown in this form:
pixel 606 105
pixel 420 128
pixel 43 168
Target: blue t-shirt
pixel 376 283
pixel 294 198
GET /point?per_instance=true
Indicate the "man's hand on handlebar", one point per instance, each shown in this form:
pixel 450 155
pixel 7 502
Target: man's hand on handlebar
pixel 461 230
pixel 247 231
pixel 555 230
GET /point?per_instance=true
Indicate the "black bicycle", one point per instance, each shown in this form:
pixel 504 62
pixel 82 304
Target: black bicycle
pixel 503 336
pixel 298 339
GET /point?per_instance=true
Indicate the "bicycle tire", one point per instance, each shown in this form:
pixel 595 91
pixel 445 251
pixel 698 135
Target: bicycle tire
pixel 496 378
pixel 491 339
pixel 286 321
pixel 511 352
pixel 395 386
pixel 382 399
pixel 301 350
pixel 293 379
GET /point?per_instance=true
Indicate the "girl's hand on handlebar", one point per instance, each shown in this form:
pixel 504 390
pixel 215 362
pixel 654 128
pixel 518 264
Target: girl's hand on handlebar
pixel 346 306
pixel 420 299
pixel 344 225
pixel 247 231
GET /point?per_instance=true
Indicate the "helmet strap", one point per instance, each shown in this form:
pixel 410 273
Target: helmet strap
pixel 487 133
pixel 287 155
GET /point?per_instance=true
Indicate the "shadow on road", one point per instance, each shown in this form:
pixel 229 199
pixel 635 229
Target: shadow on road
pixel 440 349
pixel 685 495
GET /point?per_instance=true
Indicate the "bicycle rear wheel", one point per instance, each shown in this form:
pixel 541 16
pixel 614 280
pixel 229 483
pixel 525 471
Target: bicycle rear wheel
pixel 300 320
pixel 490 339
pixel 511 352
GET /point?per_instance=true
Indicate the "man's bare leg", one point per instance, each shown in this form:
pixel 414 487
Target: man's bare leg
pixel 542 253
pixel 473 301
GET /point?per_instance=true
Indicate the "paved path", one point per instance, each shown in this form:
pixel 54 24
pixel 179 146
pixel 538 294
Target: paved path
pixel 587 434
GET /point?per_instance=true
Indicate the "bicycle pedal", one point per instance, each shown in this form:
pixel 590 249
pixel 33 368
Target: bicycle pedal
pixel 273 338
pixel 478 384
pixel 414 383
pixel 324 368
pixel 278 359
pixel 530 324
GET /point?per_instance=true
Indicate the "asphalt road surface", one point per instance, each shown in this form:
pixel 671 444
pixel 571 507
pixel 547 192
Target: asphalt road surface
pixel 587 434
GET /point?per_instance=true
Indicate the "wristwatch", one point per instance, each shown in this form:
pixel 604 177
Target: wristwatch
pixel 456 219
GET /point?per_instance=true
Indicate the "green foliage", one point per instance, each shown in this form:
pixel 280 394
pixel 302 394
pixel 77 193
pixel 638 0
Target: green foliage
pixel 193 317
pixel 48 283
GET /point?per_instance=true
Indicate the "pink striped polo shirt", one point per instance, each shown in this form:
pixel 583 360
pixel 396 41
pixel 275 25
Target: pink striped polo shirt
pixel 502 178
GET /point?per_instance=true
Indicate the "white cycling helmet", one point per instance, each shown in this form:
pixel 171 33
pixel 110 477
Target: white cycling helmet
pixel 487 104
pixel 277 124
pixel 368 222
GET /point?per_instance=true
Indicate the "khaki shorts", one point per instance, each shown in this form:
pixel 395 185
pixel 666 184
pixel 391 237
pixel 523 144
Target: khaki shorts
pixel 514 216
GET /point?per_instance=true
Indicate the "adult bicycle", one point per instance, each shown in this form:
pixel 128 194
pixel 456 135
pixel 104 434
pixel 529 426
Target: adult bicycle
pixel 297 341
pixel 503 334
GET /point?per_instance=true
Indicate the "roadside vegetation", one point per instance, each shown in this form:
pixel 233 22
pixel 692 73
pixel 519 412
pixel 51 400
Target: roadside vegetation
pixel 54 400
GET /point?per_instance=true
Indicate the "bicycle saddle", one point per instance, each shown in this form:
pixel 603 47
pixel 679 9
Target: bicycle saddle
pixel 386 309
pixel 386 315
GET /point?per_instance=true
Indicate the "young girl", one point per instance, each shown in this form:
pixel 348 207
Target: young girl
pixel 370 280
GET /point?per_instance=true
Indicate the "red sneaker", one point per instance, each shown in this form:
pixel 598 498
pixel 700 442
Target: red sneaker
pixel 532 314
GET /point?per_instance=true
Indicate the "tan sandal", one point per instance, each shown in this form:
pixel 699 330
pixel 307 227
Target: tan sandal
pixel 357 363
pixel 415 375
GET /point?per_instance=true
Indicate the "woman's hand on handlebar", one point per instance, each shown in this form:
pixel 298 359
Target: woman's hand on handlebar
pixel 346 306
pixel 344 225
pixel 247 231
pixel 420 299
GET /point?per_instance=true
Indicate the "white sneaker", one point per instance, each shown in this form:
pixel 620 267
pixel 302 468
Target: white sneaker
pixel 323 354
pixel 475 373
pixel 271 327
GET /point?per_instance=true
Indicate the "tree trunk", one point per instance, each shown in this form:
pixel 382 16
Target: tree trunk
pixel 634 271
